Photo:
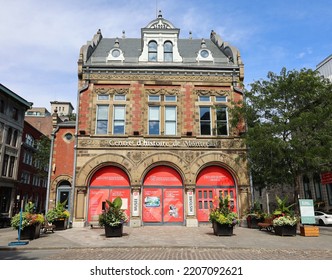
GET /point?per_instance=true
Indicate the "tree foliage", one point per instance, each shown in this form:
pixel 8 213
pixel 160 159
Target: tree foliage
pixel 42 155
pixel 289 125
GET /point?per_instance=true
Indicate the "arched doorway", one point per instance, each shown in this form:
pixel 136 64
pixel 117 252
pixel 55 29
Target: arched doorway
pixel 106 184
pixel 213 182
pixel 162 197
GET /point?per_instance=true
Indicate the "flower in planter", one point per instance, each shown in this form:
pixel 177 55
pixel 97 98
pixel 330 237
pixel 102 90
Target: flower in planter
pixel 285 221
pixel 57 213
pixel 113 215
pixel 223 214
pixel 28 217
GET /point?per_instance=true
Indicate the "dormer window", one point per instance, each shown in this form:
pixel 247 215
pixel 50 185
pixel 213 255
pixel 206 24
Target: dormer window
pixel 153 51
pixel 168 51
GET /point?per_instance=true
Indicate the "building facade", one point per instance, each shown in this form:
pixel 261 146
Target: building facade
pixel 62 163
pixel 153 127
pixel 12 110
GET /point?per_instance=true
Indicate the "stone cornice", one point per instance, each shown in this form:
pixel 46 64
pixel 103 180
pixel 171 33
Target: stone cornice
pixel 158 77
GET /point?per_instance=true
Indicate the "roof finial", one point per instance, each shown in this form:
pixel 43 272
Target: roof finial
pixel 160 15
pixel 190 35
pixel 203 45
pixel 116 44
pixel 123 34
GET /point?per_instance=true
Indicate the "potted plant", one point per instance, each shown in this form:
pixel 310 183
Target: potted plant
pixel 27 222
pixel 285 221
pixel 255 215
pixel 58 216
pixel 222 218
pixel 113 218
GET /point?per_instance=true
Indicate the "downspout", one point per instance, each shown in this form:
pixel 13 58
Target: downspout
pixel 85 87
pixel 50 168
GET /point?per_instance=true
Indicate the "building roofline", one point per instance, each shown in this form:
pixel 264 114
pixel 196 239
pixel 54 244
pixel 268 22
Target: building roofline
pixel 15 96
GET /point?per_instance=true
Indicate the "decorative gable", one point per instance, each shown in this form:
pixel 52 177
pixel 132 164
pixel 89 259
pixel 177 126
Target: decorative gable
pixel 160 42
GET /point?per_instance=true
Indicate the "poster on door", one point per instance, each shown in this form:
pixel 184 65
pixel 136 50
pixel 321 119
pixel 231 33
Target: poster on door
pixel 173 205
pixel 96 198
pixel 152 211
pixel 125 195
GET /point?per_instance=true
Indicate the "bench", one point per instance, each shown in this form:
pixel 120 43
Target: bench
pixel 48 227
pixel 267 224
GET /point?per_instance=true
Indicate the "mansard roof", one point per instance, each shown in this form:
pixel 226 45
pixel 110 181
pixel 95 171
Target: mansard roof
pixel 96 52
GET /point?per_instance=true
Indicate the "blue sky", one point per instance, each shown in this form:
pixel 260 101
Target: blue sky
pixel 41 39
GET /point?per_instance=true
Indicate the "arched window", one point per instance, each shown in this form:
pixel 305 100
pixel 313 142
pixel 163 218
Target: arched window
pixel 152 51
pixel 168 51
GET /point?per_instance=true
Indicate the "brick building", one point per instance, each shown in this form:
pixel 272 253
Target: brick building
pixel 153 127
pixel 32 173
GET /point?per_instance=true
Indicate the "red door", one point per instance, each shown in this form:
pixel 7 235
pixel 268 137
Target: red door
pixel 107 184
pixel 162 196
pixel 213 182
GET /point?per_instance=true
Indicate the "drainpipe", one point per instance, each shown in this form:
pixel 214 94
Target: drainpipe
pixel 85 87
pixel 50 168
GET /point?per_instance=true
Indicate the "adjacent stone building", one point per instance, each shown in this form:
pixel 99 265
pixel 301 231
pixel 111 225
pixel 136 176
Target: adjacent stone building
pixel 153 127
pixel 12 110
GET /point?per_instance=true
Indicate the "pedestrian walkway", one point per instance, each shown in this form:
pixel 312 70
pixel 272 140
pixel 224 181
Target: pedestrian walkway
pixel 169 237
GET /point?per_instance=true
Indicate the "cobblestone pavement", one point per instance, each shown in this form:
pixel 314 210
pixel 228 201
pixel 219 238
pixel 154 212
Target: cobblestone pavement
pixel 188 254
pixel 168 242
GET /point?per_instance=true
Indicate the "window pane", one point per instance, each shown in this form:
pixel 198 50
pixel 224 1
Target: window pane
pixel 168 47
pixel 154 113
pixel 102 119
pixel 101 127
pixel 154 127
pixel 103 97
pixel 170 98
pixel 205 121
pixel 170 128
pixel 221 99
pixel 119 97
pixel 119 112
pixel 170 113
pixel 152 51
pixel 102 112
pixel 119 120
pixel 222 121
pixel 204 98
pixel 168 57
pixel 154 97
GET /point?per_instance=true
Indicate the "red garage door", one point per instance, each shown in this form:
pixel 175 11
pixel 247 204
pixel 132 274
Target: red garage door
pixel 213 182
pixel 163 196
pixel 106 184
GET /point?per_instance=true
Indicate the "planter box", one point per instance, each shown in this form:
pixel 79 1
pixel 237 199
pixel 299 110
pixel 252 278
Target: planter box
pixel 60 224
pixel 222 230
pixel 31 232
pixel 309 231
pixel 114 231
pixel 285 230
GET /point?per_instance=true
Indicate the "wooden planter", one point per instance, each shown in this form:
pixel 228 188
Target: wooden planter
pixel 31 232
pixel 309 230
pixel 114 231
pixel 60 224
pixel 285 230
pixel 222 230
